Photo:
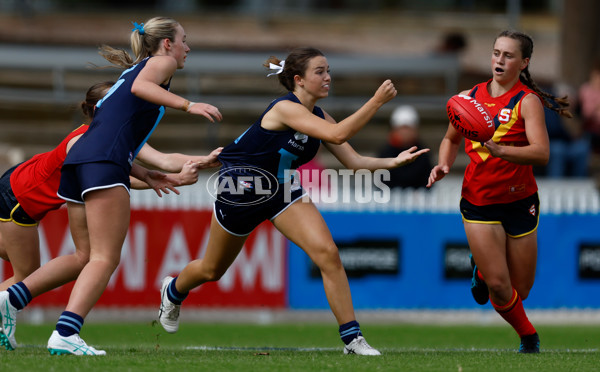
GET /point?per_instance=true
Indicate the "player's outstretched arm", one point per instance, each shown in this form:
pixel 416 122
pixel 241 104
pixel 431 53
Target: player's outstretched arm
pixel 351 159
pixel 447 155
pixel 143 178
pixel 174 162
pixel 299 118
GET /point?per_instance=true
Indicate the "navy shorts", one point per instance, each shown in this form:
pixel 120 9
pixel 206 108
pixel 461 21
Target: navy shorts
pixel 10 209
pixel 77 179
pixel 518 218
pixel 240 214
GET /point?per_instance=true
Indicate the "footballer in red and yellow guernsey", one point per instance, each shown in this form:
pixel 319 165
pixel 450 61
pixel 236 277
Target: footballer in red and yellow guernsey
pixel 35 182
pixel 491 180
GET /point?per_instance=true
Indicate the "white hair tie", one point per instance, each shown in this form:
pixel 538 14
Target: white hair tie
pixel 278 68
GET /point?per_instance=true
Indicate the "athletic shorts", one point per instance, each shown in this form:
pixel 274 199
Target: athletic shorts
pixel 239 216
pixel 78 179
pixel 518 218
pixel 10 209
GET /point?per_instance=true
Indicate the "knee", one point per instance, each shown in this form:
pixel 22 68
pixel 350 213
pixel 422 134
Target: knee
pixel 81 258
pixel 108 262
pixel 212 274
pixel 327 257
pixel 523 291
pixel 498 285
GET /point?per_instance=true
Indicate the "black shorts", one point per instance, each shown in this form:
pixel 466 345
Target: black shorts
pixel 77 179
pixel 240 214
pixel 518 218
pixel 10 209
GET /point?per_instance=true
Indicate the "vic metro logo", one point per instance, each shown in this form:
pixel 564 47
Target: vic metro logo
pixel 301 137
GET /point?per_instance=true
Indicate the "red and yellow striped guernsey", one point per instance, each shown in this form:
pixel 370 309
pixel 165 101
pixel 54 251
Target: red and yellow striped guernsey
pixel 491 180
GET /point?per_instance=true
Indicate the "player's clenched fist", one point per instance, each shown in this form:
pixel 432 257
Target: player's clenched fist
pixel 386 92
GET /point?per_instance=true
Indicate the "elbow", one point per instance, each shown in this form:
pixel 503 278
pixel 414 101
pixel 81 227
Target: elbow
pixel 540 156
pixel 338 138
pixel 135 92
pixel 337 141
pixel 136 89
pixel 545 158
pixel 542 160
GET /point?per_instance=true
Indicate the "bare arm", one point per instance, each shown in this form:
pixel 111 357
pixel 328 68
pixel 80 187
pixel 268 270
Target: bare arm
pixel 537 152
pixel 447 155
pixel 159 70
pixel 290 114
pixel 350 159
pixel 138 184
pixel 155 180
pixel 174 162
pixel 187 176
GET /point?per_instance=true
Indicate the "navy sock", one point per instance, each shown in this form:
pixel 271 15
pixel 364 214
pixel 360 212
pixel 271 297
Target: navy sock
pixel 174 295
pixel 350 331
pixel 18 295
pixel 69 323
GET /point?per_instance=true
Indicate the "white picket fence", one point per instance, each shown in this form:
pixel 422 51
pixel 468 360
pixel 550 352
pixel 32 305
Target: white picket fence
pixel 556 197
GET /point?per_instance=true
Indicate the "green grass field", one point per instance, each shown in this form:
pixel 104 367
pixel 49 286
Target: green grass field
pixel 307 347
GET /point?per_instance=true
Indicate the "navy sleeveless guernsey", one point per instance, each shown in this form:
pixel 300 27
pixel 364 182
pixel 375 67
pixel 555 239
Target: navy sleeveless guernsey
pixel 122 124
pixel 274 151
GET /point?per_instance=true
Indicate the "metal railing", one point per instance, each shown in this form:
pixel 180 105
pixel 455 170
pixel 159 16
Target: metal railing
pixel 58 62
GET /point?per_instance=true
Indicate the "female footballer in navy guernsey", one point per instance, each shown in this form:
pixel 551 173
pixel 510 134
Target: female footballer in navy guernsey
pixel 95 175
pixel 285 136
pixel 28 193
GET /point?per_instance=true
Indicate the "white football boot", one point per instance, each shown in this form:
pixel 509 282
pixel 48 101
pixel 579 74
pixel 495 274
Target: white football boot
pixel 168 314
pixel 74 345
pixel 8 322
pixel 359 346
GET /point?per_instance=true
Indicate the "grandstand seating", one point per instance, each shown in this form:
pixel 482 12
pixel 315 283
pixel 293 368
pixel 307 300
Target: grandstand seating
pixel 41 86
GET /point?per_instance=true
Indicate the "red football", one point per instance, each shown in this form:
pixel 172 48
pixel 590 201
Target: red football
pixel 470 118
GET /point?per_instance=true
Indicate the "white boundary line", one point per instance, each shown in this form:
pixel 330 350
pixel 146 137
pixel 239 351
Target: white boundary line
pixel 484 316
pixel 340 349
pixel 384 350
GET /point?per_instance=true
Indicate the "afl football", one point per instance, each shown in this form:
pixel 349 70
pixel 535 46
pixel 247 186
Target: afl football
pixel 470 118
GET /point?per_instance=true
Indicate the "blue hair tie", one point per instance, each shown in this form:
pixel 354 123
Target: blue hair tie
pixel 139 27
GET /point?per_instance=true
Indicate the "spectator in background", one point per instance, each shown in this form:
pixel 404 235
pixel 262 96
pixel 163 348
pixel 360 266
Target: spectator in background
pixel 453 42
pixel 589 101
pixel 403 135
pixel 569 146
